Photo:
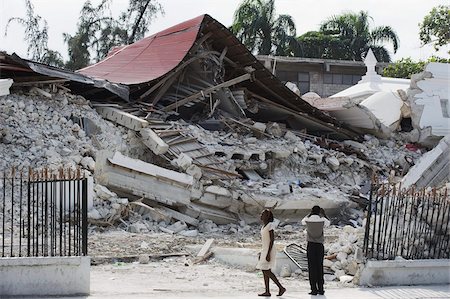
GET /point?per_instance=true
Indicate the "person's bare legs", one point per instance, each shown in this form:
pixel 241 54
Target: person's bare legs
pixel 276 281
pixel 266 283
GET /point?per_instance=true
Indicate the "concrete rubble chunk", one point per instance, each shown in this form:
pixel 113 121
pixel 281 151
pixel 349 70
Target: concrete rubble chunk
pixel 153 141
pixel 433 168
pixel 333 162
pixel 183 161
pixel 122 118
pixel 5 84
pixel 260 126
pixel 143 179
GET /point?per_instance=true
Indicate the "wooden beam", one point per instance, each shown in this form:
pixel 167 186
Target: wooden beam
pixel 207 91
pixel 205 248
pixel 165 87
pixel 39 82
pixel 174 73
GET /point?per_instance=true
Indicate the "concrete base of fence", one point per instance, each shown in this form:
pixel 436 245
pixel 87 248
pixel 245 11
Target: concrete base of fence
pixel 406 272
pixel 44 276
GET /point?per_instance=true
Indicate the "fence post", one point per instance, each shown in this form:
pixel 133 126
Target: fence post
pixel 84 221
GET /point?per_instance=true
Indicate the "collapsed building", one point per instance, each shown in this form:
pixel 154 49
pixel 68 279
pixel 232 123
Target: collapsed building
pixel 212 134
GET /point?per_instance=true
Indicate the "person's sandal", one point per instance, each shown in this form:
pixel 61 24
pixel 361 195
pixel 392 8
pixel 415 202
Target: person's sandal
pixel 265 295
pixel 281 292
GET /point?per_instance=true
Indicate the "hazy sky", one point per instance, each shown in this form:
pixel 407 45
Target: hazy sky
pixel 62 16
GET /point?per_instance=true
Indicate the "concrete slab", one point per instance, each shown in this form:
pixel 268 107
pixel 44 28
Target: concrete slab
pixel 122 118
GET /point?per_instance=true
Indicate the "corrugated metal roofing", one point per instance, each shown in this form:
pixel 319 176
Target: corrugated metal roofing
pixel 149 58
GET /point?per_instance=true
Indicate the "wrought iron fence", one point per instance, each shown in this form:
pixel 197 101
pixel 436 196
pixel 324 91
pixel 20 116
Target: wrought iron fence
pixel 43 213
pixel 413 224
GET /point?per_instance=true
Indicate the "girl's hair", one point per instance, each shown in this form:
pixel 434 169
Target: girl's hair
pixel 269 214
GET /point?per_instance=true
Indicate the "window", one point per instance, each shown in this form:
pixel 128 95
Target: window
pixel 285 76
pixel 303 82
pixel 299 79
pixel 345 79
pixel 356 78
pixel 337 78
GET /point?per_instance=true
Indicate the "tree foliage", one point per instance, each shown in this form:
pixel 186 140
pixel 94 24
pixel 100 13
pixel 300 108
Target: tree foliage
pixel 406 67
pixel 258 27
pixel 353 29
pixel 36 36
pixel 98 32
pixel 435 27
pixel 316 44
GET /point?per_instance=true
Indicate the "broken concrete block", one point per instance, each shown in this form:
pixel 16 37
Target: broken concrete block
pixel 183 161
pixel 143 179
pixel 189 233
pixel 153 141
pixel 356 145
pixel 177 227
pixel 195 171
pixel 282 153
pixel 332 162
pixel 291 137
pixel 274 129
pixel 216 196
pixel 283 189
pixel 203 212
pixel 103 192
pixel 5 84
pixel 345 278
pixel 285 271
pixel 88 163
pixel 94 214
pixel 144 259
pixel 260 126
pixel 122 118
pixel 317 157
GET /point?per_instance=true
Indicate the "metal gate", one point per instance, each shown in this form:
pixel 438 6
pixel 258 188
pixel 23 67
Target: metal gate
pixel 43 213
pixel 413 224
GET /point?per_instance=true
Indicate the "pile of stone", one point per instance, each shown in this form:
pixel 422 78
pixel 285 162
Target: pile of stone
pixel 53 128
pixel 344 257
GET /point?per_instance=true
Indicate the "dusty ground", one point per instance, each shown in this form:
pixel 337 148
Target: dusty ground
pixel 117 243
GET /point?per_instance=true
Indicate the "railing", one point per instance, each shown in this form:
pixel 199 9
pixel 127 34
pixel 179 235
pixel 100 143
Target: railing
pixel 43 213
pixel 407 223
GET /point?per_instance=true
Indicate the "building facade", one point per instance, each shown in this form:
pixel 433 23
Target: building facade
pixel 322 76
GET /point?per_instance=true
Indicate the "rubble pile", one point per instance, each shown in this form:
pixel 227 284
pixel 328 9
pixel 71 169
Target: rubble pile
pixel 64 131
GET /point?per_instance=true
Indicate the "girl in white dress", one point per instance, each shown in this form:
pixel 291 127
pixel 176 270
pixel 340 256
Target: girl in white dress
pixel 267 256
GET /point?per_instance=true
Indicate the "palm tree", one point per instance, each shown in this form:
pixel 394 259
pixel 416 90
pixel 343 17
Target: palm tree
pixel 257 27
pixel 353 29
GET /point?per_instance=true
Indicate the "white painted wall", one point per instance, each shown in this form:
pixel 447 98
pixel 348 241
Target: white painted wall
pixel 44 276
pixel 406 272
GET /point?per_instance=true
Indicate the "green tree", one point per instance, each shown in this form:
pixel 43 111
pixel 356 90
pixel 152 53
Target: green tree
pixel 353 30
pixel 403 68
pixel 36 36
pixel 256 25
pixel 98 32
pixel 406 67
pixel 316 44
pixel 435 28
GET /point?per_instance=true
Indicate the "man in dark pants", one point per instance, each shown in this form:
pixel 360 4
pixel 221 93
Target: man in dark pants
pixel 315 222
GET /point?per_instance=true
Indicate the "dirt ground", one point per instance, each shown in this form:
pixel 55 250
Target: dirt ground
pixel 117 243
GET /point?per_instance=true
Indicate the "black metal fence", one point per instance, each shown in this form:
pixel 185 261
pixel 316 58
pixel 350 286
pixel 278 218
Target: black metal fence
pixel 43 213
pixel 407 223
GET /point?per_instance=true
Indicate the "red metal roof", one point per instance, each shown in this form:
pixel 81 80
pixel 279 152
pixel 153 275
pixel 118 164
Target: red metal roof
pixel 149 58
